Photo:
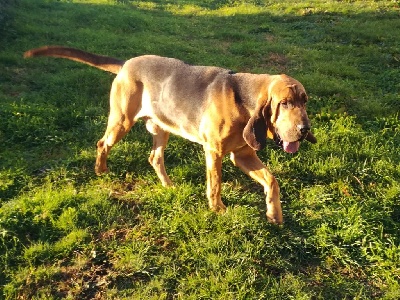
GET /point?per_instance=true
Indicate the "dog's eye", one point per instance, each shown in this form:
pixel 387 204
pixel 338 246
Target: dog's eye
pixel 286 104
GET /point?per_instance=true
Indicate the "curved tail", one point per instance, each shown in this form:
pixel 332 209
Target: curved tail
pixel 105 63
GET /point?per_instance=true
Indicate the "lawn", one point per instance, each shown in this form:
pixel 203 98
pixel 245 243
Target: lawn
pixel 66 233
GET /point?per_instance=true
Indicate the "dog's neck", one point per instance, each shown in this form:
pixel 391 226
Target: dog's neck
pixel 251 89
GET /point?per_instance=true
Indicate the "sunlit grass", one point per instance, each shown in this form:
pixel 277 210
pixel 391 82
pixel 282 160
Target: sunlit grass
pixel 67 234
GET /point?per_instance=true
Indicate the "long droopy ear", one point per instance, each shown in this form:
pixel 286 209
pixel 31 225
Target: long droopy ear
pixel 255 132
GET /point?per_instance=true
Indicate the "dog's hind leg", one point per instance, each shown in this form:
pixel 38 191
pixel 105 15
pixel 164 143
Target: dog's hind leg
pixel 156 158
pixel 124 105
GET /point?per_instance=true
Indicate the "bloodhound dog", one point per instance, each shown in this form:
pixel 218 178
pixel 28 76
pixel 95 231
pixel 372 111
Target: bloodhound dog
pixel 224 111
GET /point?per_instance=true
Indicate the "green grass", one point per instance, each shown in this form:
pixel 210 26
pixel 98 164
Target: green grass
pixel 67 234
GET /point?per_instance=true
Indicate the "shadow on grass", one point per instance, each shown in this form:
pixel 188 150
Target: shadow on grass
pixel 341 59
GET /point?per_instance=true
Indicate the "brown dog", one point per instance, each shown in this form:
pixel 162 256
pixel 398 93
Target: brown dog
pixel 225 112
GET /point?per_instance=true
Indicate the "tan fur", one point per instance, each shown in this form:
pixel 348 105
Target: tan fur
pixel 222 111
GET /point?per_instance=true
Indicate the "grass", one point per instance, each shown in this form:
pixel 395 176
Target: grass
pixel 67 234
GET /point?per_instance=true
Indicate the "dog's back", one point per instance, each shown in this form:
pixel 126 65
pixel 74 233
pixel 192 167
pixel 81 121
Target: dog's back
pixel 176 91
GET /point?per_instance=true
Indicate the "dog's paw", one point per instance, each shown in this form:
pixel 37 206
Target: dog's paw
pixel 99 170
pixel 275 218
pixel 219 208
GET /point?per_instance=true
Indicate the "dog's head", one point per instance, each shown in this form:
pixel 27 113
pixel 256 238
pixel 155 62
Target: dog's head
pixel 280 115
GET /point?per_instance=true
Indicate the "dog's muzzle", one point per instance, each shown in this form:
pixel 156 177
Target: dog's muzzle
pixel 304 130
pixel 291 147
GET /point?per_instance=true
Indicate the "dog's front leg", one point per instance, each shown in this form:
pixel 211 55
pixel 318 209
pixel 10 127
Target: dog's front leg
pixel 247 160
pixel 214 165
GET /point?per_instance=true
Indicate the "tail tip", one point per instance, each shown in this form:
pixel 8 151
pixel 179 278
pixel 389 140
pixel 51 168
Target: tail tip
pixel 36 52
pixel 28 53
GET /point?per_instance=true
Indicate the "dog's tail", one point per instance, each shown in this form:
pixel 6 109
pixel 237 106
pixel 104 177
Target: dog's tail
pixel 105 63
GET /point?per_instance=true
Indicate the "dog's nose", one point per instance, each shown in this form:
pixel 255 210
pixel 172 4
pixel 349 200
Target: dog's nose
pixel 304 128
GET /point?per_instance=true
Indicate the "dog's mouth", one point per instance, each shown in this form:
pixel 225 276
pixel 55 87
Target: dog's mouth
pixel 289 147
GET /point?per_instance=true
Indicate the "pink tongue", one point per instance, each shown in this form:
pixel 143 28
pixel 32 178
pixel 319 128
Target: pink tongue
pixel 291 147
